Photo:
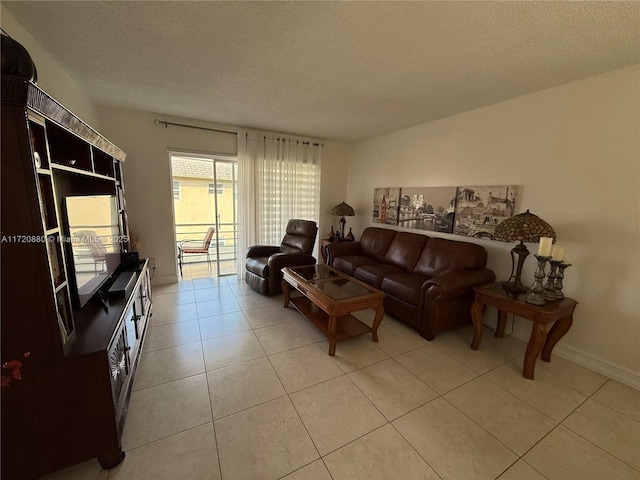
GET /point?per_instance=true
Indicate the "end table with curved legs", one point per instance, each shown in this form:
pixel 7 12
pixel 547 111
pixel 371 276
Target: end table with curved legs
pixel 542 340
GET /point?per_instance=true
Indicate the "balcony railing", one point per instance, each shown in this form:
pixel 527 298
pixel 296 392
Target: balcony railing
pixel 226 236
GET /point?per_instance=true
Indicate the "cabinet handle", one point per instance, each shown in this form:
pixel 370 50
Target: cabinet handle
pixel 135 318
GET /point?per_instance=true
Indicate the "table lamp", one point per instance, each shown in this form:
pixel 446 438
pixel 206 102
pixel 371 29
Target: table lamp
pixel 343 210
pixel 525 227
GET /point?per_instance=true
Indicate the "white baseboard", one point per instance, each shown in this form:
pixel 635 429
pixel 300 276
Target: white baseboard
pixel 605 367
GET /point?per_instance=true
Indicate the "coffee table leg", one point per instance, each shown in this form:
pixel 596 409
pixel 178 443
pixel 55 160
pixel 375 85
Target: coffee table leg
pixel 285 290
pixel 538 336
pixel 332 335
pixel 376 322
pixel 476 317
pixel 558 330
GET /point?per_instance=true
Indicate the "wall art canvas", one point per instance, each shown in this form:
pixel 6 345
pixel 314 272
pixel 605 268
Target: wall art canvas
pixel 428 208
pixel 385 205
pixel 480 209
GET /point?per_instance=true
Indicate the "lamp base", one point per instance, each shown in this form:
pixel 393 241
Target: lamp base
pixel 513 289
pixel 514 286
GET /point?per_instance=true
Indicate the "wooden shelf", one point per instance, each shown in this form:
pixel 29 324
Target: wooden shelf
pixel 347 326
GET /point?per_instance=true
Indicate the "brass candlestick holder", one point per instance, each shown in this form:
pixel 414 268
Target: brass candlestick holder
pixel 557 284
pixel 536 292
pixel 550 292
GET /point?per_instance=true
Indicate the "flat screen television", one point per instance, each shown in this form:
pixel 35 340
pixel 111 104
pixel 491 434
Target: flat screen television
pixel 93 236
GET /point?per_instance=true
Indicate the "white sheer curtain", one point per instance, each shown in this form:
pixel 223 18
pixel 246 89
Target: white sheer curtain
pixel 278 179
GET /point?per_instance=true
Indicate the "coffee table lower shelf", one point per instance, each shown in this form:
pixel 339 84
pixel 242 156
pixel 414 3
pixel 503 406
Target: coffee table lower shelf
pixel 347 326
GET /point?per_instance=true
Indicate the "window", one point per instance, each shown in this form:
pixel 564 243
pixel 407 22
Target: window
pixel 176 190
pixel 217 188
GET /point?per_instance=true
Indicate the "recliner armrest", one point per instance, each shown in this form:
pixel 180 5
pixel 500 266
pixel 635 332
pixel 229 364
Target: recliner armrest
pixel 454 284
pixel 262 251
pixel 280 260
pixel 339 249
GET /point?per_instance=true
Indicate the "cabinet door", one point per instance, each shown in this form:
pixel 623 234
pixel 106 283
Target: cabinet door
pixel 135 324
pixel 119 366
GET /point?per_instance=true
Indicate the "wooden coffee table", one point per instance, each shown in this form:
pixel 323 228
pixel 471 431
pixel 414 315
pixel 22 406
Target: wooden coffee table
pixel 542 340
pixel 328 299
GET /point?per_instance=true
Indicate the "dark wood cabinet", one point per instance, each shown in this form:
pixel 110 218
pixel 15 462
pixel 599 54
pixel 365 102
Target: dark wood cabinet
pixel 70 403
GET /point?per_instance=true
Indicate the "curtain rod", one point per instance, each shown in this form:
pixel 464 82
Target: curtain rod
pixel 166 124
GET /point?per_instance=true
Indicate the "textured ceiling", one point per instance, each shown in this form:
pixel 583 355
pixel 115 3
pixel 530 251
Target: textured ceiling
pixel 344 71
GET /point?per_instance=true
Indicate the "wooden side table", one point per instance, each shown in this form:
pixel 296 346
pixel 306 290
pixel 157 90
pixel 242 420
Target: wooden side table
pixel 541 342
pixel 323 243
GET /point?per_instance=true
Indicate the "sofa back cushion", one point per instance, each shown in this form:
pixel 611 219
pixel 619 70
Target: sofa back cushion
pixel 375 242
pixel 405 249
pixel 442 256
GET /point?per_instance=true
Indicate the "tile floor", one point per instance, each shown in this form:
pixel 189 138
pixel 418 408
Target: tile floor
pixel 232 386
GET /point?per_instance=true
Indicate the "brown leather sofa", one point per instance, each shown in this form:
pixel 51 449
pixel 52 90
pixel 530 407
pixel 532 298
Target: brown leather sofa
pixel 428 282
pixel 264 263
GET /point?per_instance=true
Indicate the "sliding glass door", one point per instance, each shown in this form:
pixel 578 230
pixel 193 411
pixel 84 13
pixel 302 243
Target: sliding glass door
pixel 205 192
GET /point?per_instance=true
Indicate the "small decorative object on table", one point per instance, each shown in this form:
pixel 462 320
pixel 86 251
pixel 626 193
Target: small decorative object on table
pixel 549 288
pixel 551 292
pixel 331 237
pixel 536 292
pixel 558 280
pixel 349 237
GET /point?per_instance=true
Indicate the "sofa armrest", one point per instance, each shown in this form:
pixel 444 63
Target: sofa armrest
pixel 280 260
pixel 455 284
pixel 340 249
pixel 262 251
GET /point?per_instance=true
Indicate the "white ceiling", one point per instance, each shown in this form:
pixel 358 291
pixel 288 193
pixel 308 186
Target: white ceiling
pixel 344 71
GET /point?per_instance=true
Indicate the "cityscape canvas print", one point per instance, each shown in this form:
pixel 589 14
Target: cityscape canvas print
pixel 428 208
pixel 480 209
pixel 385 205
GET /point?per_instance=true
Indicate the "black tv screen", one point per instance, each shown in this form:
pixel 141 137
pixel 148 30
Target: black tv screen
pixel 94 235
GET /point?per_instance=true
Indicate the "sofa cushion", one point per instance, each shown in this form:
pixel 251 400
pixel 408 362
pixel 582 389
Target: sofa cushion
pixel 348 264
pixel 442 256
pixel 375 242
pixel 405 249
pixel 373 274
pixel 405 286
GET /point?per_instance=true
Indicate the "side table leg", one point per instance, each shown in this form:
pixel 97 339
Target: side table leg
pixel 285 291
pixel 376 322
pixel 476 317
pixel 538 336
pixel 502 322
pixel 332 335
pixel 558 330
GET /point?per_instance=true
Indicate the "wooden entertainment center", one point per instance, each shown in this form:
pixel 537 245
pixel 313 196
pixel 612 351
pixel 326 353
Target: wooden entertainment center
pixel 68 401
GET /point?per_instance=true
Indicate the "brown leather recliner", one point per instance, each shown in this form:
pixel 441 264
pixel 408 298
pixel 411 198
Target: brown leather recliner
pixel 264 263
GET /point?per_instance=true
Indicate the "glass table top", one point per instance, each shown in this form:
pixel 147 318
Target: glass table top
pixel 335 285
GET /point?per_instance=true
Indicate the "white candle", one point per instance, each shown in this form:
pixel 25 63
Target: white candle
pixel 557 253
pixel 544 248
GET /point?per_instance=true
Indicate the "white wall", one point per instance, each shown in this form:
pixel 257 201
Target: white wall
pixel 147 173
pixel 51 77
pixel 575 152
